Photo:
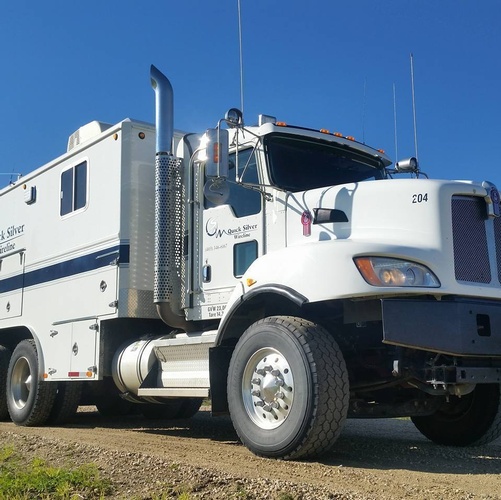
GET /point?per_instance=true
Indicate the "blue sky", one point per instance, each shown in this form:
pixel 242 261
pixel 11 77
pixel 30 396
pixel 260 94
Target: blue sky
pixel 316 63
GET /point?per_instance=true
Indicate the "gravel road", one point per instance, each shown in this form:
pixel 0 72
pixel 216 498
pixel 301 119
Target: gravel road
pixel 202 458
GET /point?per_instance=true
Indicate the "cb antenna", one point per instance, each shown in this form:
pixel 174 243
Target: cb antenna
pixel 395 120
pixel 414 106
pixel 241 57
pixel 363 110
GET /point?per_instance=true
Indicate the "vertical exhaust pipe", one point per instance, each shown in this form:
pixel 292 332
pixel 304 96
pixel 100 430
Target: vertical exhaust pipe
pixel 169 285
pixel 164 111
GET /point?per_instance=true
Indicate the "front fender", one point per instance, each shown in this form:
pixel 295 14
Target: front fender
pixel 319 271
pixel 316 272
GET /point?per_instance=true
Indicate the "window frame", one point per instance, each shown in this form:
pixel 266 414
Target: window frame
pixel 236 246
pixel 233 185
pixel 73 169
pixel 340 153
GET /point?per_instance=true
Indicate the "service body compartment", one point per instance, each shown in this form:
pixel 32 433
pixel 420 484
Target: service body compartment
pixel 83 247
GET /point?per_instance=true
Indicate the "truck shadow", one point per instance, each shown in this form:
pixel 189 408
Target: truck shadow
pixel 366 444
pixel 202 425
pixel 397 444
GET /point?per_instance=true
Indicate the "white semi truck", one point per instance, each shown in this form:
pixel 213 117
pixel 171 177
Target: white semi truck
pixel 282 272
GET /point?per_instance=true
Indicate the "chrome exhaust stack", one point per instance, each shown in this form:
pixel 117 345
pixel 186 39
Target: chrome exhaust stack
pixel 169 284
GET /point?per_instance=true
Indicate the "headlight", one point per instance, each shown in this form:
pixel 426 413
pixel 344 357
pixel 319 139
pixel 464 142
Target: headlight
pixel 382 271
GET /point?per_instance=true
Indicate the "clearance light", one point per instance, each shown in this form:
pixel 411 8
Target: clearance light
pixel 338 134
pixel 215 152
pixel 350 137
pixel 382 271
pixel 281 124
pixel 382 151
pixel 324 131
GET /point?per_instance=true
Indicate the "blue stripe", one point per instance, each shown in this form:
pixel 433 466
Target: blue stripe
pixel 71 267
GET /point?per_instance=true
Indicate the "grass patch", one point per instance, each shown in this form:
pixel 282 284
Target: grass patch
pixel 22 481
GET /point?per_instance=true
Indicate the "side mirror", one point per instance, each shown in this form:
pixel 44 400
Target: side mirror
pixel 217 161
pixel 216 189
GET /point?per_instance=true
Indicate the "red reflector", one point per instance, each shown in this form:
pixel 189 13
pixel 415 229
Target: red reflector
pixel 73 374
pixel 215 153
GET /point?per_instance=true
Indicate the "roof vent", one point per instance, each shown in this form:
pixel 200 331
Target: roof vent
pixel 85 133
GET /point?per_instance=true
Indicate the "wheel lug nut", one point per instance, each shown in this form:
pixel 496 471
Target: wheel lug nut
pixel 256 381
pixel 280 382
pixel 256 393
pixel 259 403
pixel 268 368
pixel 267 408
pixel 280 395
pixel 260 372
pixel 275 373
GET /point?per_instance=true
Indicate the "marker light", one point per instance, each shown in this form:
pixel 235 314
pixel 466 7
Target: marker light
pixel 281 124
pixel 383 271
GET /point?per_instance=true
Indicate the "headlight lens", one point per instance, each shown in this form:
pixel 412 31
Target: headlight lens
pixel 382 271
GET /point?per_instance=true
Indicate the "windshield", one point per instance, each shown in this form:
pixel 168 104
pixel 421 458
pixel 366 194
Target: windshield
pixel 300 163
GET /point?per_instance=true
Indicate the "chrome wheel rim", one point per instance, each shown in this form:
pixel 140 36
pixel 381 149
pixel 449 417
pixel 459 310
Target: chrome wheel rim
pixel 268 388
pixel 21 382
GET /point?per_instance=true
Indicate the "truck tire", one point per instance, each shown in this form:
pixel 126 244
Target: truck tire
pixel 168 410
pixel 4 367
pixel 116 407
pixel 472 420
pixel 182 408
pixel 288 388
pixel 189 407
pixel 108 401
pixel 29 399
pixel 66 402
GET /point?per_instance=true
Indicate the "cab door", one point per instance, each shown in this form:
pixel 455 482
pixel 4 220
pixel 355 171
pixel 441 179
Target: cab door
pixel 232 237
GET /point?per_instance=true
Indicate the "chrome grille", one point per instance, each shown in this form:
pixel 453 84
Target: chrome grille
pixel 471 251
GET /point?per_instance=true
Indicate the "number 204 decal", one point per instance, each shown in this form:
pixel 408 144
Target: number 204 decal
pixel 420 198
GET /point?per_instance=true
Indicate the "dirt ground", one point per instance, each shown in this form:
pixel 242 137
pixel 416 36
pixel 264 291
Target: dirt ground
pixel 202 458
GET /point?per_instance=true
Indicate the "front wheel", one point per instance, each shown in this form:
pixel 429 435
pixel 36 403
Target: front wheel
pixel 471 420
pixel 29 399
pixel 288 389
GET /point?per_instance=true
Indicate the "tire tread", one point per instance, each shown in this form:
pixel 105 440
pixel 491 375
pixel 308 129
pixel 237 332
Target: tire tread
pixel 45 392
pixel 330 384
